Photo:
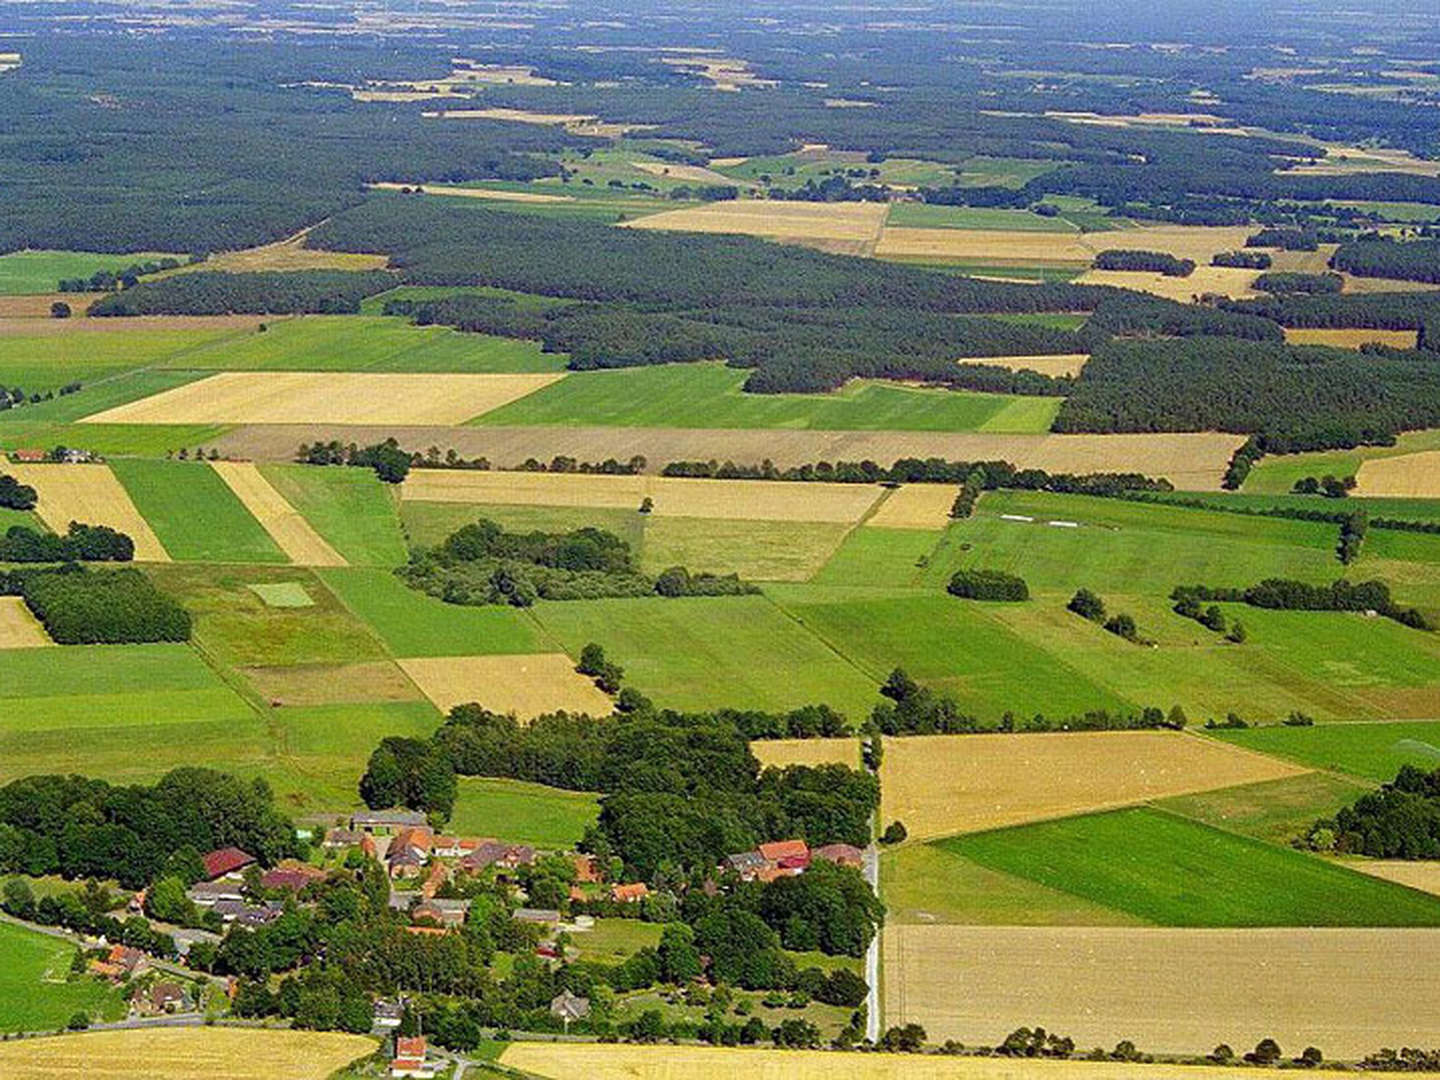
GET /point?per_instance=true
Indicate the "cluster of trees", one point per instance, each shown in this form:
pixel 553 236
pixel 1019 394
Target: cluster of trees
pixel 81 543
pixel 1352 536
pixel 1089 605
pixel 1282 594
pixel 1400 821
pixel 1243 260
pixel 969 494
pixel 391 464
pixel 84 911
pixel 218 292
pixel 1187 605
pixel 111 280
pixel 987 585
pixel 483 564
pixel 1332 487
pixel 13 397
pixel 1362 311
pixel 83 828
pixel 1284 239
pixel 1157 262
pixel 1409 260
pixel 82 607
pixel 1288 281
pixel 15 495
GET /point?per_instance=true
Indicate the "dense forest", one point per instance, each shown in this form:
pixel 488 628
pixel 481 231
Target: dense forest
pixel 1410 260
pixel 83 607
pixel 214 292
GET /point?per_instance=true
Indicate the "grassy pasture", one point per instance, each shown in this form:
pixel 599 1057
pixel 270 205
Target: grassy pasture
pixel 98 397
pixel 707 652
pixel 1372 751
pixel 112 440
pixel 42 362
pixel 709 395
pixel 196 517
pixel 1174 872
pixel 1276 811
pixel 413 624
pixel 369 343
pixel 523 813
pixel 612 940
pixel 881 558
pixel 756 550
pixel 351 509
pixel 33 992
pixel 23 273
pixel 321 750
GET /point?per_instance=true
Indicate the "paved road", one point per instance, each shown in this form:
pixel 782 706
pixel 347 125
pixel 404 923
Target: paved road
pixel 871 870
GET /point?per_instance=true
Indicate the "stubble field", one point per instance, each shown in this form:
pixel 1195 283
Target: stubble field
pixel 89 494
pixel 527 685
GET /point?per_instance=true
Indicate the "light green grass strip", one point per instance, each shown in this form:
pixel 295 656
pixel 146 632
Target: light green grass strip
pixel 196 517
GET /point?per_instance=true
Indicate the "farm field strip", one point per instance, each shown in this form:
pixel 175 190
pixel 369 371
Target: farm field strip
pixel 1223 280
pixel 1420 874
pixel 290 531
pixel 1350 339
pixel 915 506
pixel 1022 246
pixel 525 813
pixel 196 514
pixel 1056 366
pixel 18 628
pixel 90 494
pixel 525 685
pixel 857 222
pixel 945 784
pixel 34 993
pixel 1406 476
pixel 1347 991
pixel 1374 751
pixel 751 500
pixel 327 398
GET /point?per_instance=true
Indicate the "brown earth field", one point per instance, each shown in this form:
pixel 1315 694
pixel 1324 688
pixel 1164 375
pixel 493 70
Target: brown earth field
pixel 1413 476
pixel 1018 247
pixel 591 1061
pixel 1179 991
pixel 89 493
pixel 782 752
pixel 332 684
pixel 481 193
pixel 37 306
pixel 1225 280
pixel 1191 461
pixel 916 506
pixel 524 685
pixel 945 784
pixel 18 628
pixel 1422 874
pixel 24 326
pixel 157 1053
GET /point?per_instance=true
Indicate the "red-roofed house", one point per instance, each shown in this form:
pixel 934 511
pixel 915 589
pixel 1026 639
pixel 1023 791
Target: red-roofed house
pixel 225 860
pixel 629 894
pixel 409 1058
pixel 786 854
pixel 840 855
pixel 291 876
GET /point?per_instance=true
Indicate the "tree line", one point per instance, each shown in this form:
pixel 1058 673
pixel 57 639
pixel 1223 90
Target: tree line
pixel 83 607
pixel 269 292
pixel 1282 594
pixel 81 543
pixel 1400 821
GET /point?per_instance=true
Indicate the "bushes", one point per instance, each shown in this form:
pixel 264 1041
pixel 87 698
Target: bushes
pixel 988 585
pixel 15 495
pixel 1087 605
pixel 82 543
pixel 80 607
pixel 1285 239
pixel 213 292
pixel 1244 260
pixel 1281 594
pixel 1157 262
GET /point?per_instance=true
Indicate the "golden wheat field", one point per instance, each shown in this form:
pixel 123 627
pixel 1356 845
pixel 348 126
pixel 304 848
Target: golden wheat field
pixel 156 1053
pixel 1352 339
pixel 782 752
pixel 290 254
pixel 691 174
pixel 90 494
pixel 37 306
pixel 297 397
pixel 945 784
pixel 527 685
pixel 1055 365
pixel 915 506
pixel 518 116
pixel 31 326
pixel 857 222
pixel 589 1061
pixel 18 628
pixel 1422 874
pixel 744 500
pixel 1414 476
pixel 1182 991
pixel 1222 280
pixel 290 531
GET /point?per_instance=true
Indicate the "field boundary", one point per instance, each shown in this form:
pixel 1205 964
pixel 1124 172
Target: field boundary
pixel 286 526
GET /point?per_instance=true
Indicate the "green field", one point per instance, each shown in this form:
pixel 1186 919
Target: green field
pixel 368 343
pixel 792 170
pixel 1372 751
pixel 911 215
pixel 522 813
pixel 612 940
pixel 321 750
pixel 1277 473
pixel 1174 872
pixel 34 993
pixel 353 510
pixel 707 652
pixel 710 396
pixel 1276 811
pixel 25 273
pixel 112 440
pixel 196 517
pixel 881 558
pixel 44 362
pixel 413 624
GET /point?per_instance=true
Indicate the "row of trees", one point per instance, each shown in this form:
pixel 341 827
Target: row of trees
pixel 83 607
pixel 987 585
pixel 81 543
pixel 1289 281
pixel 15 495
pixel 1157 262
pixel 1281 594
pixel 1409 260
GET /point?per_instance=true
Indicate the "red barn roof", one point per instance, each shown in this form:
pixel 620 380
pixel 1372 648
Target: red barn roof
pixel 225 860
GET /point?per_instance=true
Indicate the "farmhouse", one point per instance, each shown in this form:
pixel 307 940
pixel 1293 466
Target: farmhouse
pixel 385 822
pixel 409 1058
pixel 569 1007
pixel 455 847
pixel 587 870
pixel 291 876
pixel 249 915
pixel 538 916
pixel 161 998
pixel 445 912
pixel 208 893
pixel 629 894
pixel 224 861
pixel 502 856
pixel 339 839
pixel 120 962
pixel 388 1014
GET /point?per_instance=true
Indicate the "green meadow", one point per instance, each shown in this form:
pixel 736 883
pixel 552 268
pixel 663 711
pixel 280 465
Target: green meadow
pixel 112 440
pixel 320 750
pixel 709 395
pixel 523 813
pixel 98 396
pixel 353 510
pixel 34 992
pixel 1276 811
pixel 28 273
pixel 1173 872
pixel 44 362
pixel 878 557
pixel 195 515
pixel 1277 473
pixel 1373 751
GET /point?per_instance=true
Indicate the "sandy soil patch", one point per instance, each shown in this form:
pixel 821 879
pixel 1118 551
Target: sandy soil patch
pixel 1169 990
pixel 37 306
pixel 1418 874
pixel 691 174
pixel 1351 339
pixel 1355 284
pixel 18 628
pixel 783 752
pixel 527 685
pixel 916 506
pixel 91 495
pixel 481 193
pixel 332 684
pixel 292 397
pixel 745 500
pixel 1404 476
pixel 574 123
pixel 724 73
pixel 858 222
pixel 1054 366
pixel 158 1053
pixel 1002 246
pixel 945 784
pixel 300 543
pixel 1223 280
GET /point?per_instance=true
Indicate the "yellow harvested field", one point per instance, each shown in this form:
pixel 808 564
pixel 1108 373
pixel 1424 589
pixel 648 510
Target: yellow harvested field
pixel 301 544
pixel 940 785
pixel 1054 366
pixel 1223 280
pixel 1000 246
pixel 1422 874
pixel 745 500
pixel 481 193
pixel 325 397
pixel 161 1053
pixel 783 752
pixel 290 254
pixel 856 222
pixel 916 506
pixel 526 685
pixel 513 74
pixel 18 628
pixel 592 1061
pixel 574 123
pixel 1168 990
pixel 1340 160
pixel 691 174
pixel 1414 476
pixel 728 162
pixel 89 494
pixel 1352 339
pixel 1355 284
